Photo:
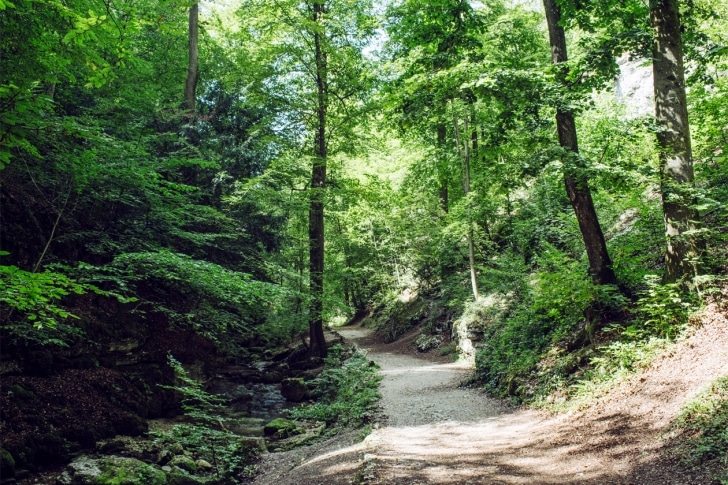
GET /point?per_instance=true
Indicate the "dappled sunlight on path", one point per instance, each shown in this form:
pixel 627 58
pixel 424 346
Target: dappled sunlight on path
pixel 432 431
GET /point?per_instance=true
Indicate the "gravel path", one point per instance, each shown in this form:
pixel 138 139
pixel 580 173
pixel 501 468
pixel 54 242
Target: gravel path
pixel 435 432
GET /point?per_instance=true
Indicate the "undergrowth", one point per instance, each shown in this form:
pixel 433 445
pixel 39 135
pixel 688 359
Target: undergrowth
pixel 205 435
pixel 702 428
pixel 347 390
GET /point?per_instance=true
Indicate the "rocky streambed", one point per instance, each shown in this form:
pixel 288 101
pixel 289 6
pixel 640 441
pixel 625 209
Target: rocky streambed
pixel 193 449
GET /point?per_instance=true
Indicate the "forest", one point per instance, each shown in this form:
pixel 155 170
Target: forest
pixel 197 188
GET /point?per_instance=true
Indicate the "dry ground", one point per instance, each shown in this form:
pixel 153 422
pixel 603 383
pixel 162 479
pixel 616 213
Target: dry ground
pixel 433 431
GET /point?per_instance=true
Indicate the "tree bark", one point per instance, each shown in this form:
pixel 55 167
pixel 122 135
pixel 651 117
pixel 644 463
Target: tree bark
pixel 318 185
pixel 443 179
pixel 676 164
pixel 577 186
pixel 463 149
pixel 193 58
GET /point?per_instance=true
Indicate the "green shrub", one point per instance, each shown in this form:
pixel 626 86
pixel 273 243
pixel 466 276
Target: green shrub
pixel 31 308
pixel 662 310
pixel 703 429
pixel 230 455
pixel 348 390
pixel 561 308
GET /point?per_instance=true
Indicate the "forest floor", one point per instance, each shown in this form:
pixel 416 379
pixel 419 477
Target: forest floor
pixel 433 431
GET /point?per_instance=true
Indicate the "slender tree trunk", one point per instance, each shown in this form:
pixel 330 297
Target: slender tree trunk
pixel 463 148
pixel 318 185
pixel 577 186
pixel 441 139
pixel 676 163
pixel 193 62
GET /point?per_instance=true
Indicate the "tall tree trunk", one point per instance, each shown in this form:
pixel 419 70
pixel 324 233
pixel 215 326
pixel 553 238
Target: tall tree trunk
pixel 463 147
pixel 676 163
pixel 577 186
pixel 443 178
pixel 318 185
pixel 193 54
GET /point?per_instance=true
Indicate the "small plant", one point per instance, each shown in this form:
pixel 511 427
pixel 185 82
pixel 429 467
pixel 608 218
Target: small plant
pixel 664 309
pixel 348 388
pixel 206 435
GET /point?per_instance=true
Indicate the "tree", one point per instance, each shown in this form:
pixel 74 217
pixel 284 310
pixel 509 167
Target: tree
pixel 431 39
pixel 673 136
pixel 193 57
pixel 318 183
pixel 577 185
pixel 315 69
pixel 464 152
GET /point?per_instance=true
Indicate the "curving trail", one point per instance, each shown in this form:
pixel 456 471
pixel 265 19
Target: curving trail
pixel 434 432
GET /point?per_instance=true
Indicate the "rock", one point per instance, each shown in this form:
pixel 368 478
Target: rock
pixel 178 476
pixel 280 427
pixel 204 464
pixel 252 446
pixel 110 446
pixel 176 448
pixel 306 436
pixel 111 470
pixel 275 373
pixel 184 462
pixel 164 457
pixel 294 389
pixel 7 464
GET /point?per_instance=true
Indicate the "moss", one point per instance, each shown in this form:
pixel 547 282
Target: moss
pixel 21 393
pixel 184 462
pixel 7 464
pixel 180 477
pixel 129 471
pixel 281 427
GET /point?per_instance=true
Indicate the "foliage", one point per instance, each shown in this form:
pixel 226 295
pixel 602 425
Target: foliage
pixel 218 300
pixel 559 308
pixel 37 298
pixel 347 388
pixel 611 364
pixel 106 181
pixel 662 309
pixel 702 429
pixel 204 435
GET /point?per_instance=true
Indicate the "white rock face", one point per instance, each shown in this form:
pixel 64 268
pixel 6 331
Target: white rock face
pixel 634 88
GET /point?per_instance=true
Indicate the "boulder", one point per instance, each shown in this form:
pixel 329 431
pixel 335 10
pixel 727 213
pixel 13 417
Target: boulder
pixel 178 476
pixel 280 427
pixel 294 389
pixel 111 470
pixel 184 462
pixel 311 432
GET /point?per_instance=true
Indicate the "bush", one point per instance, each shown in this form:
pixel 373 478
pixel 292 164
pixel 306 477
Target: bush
pixel 348 390
pixel 230 455
pixel 703 429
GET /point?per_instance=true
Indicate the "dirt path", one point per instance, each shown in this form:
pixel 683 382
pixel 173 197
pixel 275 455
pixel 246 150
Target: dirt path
pixel 436 432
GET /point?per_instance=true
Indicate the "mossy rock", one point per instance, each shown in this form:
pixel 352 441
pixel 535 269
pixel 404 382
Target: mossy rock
pixel 294 389
pixel 7 464
pixel 184 462
pixel 111 470
pixel 177 476
pixel 280 427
